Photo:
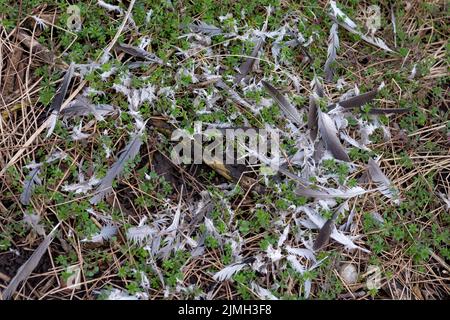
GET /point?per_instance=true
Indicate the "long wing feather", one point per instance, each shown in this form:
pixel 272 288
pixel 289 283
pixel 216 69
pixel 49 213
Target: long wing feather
pixel 313 116
pixel 356 101
pixel 247 65
pixel 127 154
pixel 138 52
pixel 57 102
pixel 288 109
pixel 30 182
pixel 329 133
pixel 333 47
pixel 27 268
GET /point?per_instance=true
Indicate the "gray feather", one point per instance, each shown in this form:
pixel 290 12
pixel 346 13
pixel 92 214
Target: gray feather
pixel 324 235
pixel 204 28
pixel 130 151
pixel 325 232
pixel 329 135
pixel 27 268
pixel 138 52
pixel 247 65
pixel 82 106
pixel 356 101
pixel 313 116
pixel 29 184
pixel 333 46
pixel 288 109
pixel 385 185
pixel 234 96
pixel 58 100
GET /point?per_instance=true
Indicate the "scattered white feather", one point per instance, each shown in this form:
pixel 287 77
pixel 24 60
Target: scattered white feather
pixel 140 234
pixel 40 22
pixel 296 265
pixel 446 200
pixel 227 272
pixel 341 15
pixel 386 187
pixel 110 7
pixel 262 293
pixel 301 252
pixel 105 234
pixel 33 220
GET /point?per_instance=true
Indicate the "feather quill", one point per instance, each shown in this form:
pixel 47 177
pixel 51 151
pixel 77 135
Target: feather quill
pixel 130 151
pixel 333 47
pixel 287 108
pixel 394 26
pixel 385 185
pixel 329 135
pixel 247 65
pixel 27 268
pixel 58 100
